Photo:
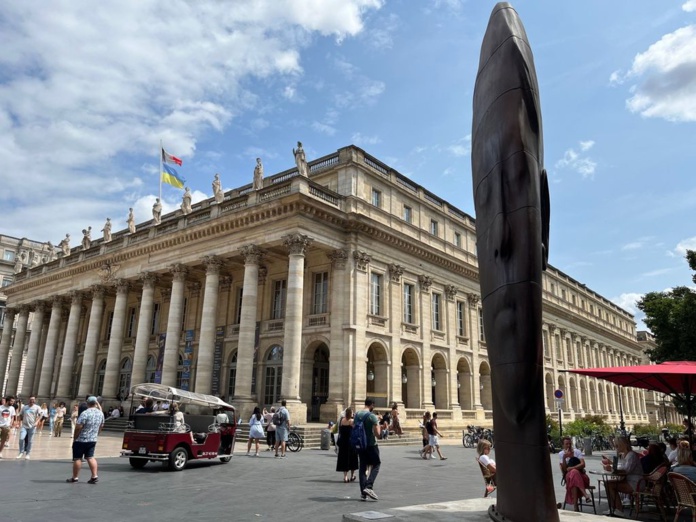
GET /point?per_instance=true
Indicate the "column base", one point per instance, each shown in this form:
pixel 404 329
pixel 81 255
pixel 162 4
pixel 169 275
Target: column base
pixel 298 412
pixel 329 411
pixel 244 408
pixel 480 412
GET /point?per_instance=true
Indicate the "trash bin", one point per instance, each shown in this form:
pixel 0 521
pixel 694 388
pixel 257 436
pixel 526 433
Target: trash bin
pixel 325 439
pixel 587 444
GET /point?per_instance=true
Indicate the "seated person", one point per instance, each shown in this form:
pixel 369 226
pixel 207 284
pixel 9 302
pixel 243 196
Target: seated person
pixel 572 463
pixel 145 407
pixel 177 418
pixel 483 451
pixel 115 413
pixel 653 458
pixel 685 462
pixel 628 467
pixel 672 451
pixel 221 417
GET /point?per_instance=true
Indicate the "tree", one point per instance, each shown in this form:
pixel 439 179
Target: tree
pixel 671 317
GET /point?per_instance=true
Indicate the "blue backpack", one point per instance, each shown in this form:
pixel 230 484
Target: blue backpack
pixel 358 437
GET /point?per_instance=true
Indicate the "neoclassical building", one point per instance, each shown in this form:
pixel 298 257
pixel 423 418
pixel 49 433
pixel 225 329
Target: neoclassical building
pixel 351 282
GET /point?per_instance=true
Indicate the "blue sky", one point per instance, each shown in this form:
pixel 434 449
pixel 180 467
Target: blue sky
pixel 86 95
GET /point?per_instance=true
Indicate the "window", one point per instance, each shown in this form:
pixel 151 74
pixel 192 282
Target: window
pixel 109 323
pixel 408 303
pixel 457 240
pixel 7 281
pixel 99 388
pixel 433 227
pixel 150 369
pixel 437 312
pixel 155 320
pixel 482 336
pixel 545 341
pixel 279 292
pixel 376 294
pixel 563 295
pixel 180 371
pixel 232 376
pixel 124 377
pixel 408 214
pixel 183 314
pixel 321 290
pixel 553 289
pixel 9 255
pixel 130 332
pixel 376 198
pixel 461 319
pixel 238 317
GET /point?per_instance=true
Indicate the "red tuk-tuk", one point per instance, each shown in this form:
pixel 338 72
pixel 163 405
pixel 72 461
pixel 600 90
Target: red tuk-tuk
pixel 208 430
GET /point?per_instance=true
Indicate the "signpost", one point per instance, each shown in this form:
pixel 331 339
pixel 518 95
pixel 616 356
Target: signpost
pixel 558 394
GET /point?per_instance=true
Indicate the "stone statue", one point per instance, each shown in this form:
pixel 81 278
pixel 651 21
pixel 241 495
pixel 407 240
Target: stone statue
pixel 131 221
pixel 301 160
pixel 157 212
pixel 65 245
pixel 186 202
pixel 258 175
pixel 18 265
pixel 107 230
pixel 511 196
pixel 217 189
pixel 51 251
pixel 86 238
pixel 35 258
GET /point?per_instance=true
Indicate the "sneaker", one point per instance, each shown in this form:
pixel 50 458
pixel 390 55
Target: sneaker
pixel 93 480
pixel 433 457
pixel 20 455
pixel 282 456
pixel 370 493
pixel 363 498
pixel 443 458
pixel 28 457
pixel 71 480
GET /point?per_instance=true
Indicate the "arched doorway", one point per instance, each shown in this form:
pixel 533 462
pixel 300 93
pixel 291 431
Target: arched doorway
pixel 274 375
pixel 410 379
pixel 593 398
pixel 485 386
pixel 464 384
pixel 318 382
pixel 574 403
pixel 377 375
pixel 440 386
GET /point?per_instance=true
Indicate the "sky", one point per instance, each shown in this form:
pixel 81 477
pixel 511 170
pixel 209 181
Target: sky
pixel 87 94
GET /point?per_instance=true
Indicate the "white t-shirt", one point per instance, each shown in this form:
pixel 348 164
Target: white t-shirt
pixel 672 456
pixel 6 415
pixel 486 460
pixel 576 453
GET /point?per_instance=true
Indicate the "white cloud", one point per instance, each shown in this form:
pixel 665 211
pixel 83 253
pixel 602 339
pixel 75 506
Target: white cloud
pixel 574 160
pixel 632 246
pixel 616 78
pixel 683 246
pixel 460 148
pixel 381 36
pixel 628 302
pixel 689 6
pixel 360 139
pixel 323 128
pixel 666 76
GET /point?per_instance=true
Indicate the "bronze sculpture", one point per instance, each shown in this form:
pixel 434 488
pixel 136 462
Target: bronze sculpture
pixel 512 227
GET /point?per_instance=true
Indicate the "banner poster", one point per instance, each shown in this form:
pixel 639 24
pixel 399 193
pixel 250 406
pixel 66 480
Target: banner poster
pixel 217 360
pixel 160 357
pixel 188 360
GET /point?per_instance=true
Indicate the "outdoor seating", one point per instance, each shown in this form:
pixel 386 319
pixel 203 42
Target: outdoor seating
pixel 651 489
pixel 685 491
pixel 488 479
pixel 582 504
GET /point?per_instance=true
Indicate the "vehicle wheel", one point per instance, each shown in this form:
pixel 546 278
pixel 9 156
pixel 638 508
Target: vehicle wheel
pixel 226 459
pixel 137 463
pixel 468 441
pixel 178 459
pixel 294 443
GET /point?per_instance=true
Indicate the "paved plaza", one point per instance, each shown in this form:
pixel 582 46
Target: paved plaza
pixel 302 487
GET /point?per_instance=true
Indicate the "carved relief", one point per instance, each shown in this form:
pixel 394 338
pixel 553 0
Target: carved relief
pixel 179 272
pixel 473 299
pixel 107 272
pixel 148 279
pixel 297 243
pixel 263 273
pixel 450 292
pixel 425 282
pixel 338 258
pixel 395 272
pixel 362 259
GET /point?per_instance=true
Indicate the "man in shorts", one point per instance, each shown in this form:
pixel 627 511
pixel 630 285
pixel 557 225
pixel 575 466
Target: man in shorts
pixel 89 425
pixel 282 429
pixel 7 414
pixel 434 437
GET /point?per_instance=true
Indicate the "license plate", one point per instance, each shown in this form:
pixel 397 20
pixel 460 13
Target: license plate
pixel 142 451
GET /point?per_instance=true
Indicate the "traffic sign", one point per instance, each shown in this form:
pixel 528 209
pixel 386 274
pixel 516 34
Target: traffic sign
pixel 558 394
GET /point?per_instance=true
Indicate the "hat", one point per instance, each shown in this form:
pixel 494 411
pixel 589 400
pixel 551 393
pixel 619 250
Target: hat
pixel 91 399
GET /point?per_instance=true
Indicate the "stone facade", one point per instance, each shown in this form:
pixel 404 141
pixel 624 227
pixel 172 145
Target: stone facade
pixel 352 282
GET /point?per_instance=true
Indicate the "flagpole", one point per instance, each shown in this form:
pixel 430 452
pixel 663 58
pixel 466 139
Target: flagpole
pixel 160 171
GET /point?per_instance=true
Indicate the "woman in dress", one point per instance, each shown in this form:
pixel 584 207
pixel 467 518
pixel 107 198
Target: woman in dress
pixel 628 467
pixel 396 424
pixel 255 430
pixel 74 414
pixel 347 458
pixel 42 418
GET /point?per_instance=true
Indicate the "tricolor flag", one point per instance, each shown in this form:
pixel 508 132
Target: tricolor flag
pixel 168 158
pixel 171 176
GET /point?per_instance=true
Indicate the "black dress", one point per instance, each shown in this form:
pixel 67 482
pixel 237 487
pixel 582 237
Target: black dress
pixel 347 458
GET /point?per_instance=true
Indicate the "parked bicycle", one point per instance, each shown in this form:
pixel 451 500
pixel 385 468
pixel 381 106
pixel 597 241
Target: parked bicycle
pixel 295 441
pixel 476 434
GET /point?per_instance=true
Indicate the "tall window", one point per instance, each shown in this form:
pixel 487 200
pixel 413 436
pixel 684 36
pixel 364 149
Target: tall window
pixel 7 280
pixel 155 320
pixel 408 303
pixel 321 290
pixel 408 214
pixel 9 255
pixel 280 289
pixel 179 371
pixel 238 316
pixel 482 334
pixel 545 342
pixel 461 319
pixel 124 377
pixel 457 240
pixel 99 388
pixel 376 294
pixel 109 324
pixel 150 369
pixel 232 376
pixel 130 331
pixel 437 312
pixel 433 227
pixel 274 375
pixel 376 198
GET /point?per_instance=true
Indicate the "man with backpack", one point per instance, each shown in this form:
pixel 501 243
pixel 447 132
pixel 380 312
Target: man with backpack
pixel 281 420
pixel 366 430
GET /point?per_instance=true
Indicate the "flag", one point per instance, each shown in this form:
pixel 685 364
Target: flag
pixel 168 158
pixel 172 177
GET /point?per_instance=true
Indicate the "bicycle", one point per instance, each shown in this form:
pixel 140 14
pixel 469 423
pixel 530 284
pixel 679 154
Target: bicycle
pixel 295 441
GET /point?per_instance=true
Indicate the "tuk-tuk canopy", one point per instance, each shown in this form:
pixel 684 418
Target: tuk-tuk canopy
pixel 160 392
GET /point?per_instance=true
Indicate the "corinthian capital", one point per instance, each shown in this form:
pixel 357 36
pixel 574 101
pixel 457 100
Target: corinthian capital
pixel 122 286
pixel 252 254
pixel 75 297
pixel 148 279
pixel 395 272
pixel 297 243
pixel 212 265
pixel 179 271
pixel 97 291
pixel 425 282
pixel 338 258
pixel 450 292
pixel 362 259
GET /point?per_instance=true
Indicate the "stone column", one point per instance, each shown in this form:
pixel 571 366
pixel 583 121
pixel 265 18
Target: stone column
pixel 142 337
pixel 292 351
pixel 395 313
pixel 176 312
pixel 113 355
pixel 247 324
pixel 472 301
pixel 360 285
pixel 338 352
pixel 46 376
pixel 450 306
pixel 5 342
pixel 89 358
pixel 206 345
pixel 426 308
pixel 66 365
pixel 17 351
pixel 33 350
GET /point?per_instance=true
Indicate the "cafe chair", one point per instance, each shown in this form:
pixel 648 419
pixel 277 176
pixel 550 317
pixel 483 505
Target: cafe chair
pixel 488 480
pixel 685 490
pixel 651 490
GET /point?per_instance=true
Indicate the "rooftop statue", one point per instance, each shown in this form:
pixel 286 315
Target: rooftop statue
pixel 65 245
pixel 86 238
pixel 218 194
pixel 258 175
pixel 157 212
pixel 186 202
pixel 301 160
pixel 131 221
pixel 107 230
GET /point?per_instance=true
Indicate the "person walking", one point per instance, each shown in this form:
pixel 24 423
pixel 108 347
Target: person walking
pixel 73 419
pixel 7 415
pixel 370 455
pixel 281 419
pixel 29 417
pixel 347 458
pixel 52 417
pixel 60 417
pixel 89 425
pixel 425 435
pixel 43 417
pixel 396 424
pixel 434 437
pixel 255 430
pixel 270 428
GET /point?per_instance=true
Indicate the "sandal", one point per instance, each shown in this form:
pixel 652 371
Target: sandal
pixel 71 480
pixel 345 479
pixel 93 480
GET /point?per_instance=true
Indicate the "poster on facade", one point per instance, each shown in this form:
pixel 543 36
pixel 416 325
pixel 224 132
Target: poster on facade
pixel 217 360
pixel 188 360
pixel 160 357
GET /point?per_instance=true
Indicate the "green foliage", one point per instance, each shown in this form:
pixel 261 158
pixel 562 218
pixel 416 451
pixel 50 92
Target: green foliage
pixel 671 317
pixel 586 426
pixel 674 429
pixel 646 429
pixel 555 431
